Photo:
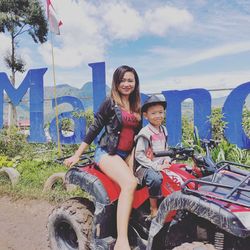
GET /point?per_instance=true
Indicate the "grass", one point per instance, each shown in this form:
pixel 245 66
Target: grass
pixel 33 175
pixel 20 191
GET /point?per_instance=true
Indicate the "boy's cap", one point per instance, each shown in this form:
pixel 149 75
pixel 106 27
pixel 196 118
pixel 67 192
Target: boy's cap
pixel 154 99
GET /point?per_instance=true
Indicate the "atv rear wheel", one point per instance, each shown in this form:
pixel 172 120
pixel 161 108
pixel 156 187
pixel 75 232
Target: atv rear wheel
pixel 195 245
pixel 70 225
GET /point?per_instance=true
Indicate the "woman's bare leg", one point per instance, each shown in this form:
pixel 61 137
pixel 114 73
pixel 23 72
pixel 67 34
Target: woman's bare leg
pixel 153 206
pixel 117 170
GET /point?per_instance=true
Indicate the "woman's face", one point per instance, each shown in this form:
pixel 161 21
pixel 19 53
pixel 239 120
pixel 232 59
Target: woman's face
pixel 127 85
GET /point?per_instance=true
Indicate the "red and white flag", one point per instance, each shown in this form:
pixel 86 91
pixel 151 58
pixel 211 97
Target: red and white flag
pixel 54 22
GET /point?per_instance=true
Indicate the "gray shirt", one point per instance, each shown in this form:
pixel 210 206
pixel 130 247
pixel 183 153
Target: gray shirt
pixel 158 140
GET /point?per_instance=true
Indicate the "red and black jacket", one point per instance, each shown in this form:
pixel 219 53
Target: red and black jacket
pixel 109 117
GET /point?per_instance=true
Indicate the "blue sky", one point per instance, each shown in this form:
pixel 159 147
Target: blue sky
pixel 178 44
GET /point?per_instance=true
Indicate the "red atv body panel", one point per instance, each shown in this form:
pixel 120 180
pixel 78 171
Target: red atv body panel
pixel 170 183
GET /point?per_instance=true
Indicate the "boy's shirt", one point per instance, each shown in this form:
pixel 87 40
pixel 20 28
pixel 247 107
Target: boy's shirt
pixel 158 141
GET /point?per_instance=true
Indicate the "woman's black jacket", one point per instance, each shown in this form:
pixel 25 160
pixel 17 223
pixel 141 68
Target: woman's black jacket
pixel 108 116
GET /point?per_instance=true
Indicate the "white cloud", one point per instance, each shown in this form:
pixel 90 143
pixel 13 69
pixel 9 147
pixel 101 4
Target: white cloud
pixel 158 21
pixel 122 21
pixel 175 58
pixel 227 49
pixel 5 46
pixel 26 55
pixel 89 29
pixel 80 40
pixel 5 43
pixel 221 80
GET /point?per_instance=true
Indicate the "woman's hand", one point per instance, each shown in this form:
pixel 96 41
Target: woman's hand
pixel 69 162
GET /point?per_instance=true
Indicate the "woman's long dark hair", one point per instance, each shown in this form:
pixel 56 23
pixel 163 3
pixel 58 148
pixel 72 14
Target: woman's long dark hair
pixel 134 98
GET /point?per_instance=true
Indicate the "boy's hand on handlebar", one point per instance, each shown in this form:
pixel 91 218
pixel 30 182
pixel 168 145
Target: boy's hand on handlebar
pixel 69 162
pixel 163 166
pixel 166 163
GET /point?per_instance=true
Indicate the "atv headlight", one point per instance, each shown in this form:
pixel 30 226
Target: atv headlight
pixel 244 217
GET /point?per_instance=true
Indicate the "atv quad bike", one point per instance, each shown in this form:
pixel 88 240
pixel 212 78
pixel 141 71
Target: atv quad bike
pixel 208 203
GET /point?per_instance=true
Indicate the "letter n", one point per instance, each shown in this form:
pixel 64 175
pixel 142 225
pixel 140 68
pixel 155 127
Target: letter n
pixel 202 110
pixel 232 111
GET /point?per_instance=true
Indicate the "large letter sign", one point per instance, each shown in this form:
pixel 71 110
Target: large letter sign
pixel 34 82
pixel 232 111
pixel 99 84
pixel 99 94
pixel 202 111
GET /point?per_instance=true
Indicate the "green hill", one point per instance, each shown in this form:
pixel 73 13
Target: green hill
pixel 85 94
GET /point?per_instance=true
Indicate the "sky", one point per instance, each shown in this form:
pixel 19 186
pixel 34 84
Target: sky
pixel 172 44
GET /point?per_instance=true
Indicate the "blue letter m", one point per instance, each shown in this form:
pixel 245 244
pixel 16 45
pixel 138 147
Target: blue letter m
pixel 34 82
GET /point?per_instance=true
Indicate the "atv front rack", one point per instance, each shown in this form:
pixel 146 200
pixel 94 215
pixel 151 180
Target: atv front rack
pixel 228 184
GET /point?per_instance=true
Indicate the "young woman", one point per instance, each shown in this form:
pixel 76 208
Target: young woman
pixel 119 114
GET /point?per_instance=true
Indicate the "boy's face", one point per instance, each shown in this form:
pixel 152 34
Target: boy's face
pixel 155 115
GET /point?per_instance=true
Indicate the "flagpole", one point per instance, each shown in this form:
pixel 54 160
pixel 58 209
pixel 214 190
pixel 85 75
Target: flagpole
pixel 55 97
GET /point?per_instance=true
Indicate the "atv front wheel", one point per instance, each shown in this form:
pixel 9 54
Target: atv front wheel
pixel 70 225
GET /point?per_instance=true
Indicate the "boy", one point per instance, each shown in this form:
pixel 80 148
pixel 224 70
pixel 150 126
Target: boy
pixel 152 138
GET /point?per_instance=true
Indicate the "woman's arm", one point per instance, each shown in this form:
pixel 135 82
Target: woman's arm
pixel 69 162
pixel 100 120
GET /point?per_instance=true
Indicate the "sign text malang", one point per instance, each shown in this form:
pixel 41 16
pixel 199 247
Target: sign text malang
pixel 33 81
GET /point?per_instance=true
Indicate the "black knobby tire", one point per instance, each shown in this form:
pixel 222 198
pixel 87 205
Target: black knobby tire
pixel 70 225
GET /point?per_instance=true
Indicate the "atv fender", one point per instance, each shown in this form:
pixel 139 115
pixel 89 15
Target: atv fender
pixel 104 193
pixel 201 207
pixel 95 183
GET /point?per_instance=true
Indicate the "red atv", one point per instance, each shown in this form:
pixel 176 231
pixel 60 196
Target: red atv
pixel 208 203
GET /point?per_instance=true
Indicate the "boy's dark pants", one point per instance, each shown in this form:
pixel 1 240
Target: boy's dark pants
pixel 153 179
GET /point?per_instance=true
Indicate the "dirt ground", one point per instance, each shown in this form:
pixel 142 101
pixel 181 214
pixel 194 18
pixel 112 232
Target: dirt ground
pixel 23 224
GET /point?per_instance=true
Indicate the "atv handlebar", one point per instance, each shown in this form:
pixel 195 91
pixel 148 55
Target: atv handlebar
pixel 169 153
pixel 176 153
pixel 209 143
pixel 86 157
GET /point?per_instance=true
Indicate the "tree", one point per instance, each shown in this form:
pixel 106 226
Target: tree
pixel 16 18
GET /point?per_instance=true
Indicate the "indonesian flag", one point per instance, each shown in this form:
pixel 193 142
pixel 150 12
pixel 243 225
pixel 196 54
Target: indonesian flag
pixel 54 24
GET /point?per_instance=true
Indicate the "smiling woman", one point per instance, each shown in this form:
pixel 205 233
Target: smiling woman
pixel 119 115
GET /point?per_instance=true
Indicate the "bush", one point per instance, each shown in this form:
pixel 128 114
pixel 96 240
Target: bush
pixel 230 152
pixel 34 173
pixel 246 121
pixel 12 141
